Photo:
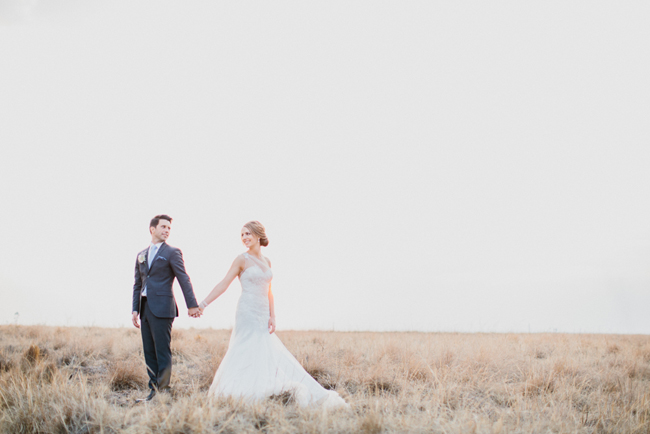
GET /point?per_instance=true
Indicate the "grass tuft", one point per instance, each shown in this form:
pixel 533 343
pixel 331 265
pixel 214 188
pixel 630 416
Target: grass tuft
pixel 371 424
pixel 127 375
pixel 33 355
pixel 284 398
pixel 323 376
pixel 381 385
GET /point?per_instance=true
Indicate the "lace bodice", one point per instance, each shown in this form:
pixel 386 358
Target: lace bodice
pixel 253 306
pixel 256 275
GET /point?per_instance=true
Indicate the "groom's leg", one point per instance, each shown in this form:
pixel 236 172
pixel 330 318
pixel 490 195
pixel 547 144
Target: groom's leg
pixel 149 345
pixel 162 335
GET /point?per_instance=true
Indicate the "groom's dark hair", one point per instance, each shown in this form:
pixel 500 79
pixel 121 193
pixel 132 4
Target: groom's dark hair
pixel 154 221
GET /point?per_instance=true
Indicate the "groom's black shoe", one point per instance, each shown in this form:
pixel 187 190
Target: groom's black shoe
pixel 148 398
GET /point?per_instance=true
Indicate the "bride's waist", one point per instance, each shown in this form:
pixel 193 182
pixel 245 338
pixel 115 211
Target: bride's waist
pixel 253 300
pixel 255 293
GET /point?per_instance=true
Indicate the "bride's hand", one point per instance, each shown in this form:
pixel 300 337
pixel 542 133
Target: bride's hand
pixel 271 325
pixel 202 306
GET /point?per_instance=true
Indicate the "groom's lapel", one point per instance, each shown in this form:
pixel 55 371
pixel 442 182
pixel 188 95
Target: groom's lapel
pixel 160 250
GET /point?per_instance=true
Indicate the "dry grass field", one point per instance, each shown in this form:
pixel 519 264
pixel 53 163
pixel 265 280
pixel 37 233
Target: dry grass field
pixel 85 380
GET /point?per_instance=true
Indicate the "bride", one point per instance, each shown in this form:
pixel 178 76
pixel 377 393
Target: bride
pixel 257 365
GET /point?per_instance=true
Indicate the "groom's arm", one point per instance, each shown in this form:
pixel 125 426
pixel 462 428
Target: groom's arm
pixel 178 267
pixel 137 288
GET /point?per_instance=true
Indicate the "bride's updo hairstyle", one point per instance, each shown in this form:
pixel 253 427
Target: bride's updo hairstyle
pixel 257 228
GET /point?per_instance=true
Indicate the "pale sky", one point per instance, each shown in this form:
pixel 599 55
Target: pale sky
pixel 435 166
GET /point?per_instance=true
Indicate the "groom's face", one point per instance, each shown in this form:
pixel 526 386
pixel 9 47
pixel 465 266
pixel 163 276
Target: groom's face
pixel 160 232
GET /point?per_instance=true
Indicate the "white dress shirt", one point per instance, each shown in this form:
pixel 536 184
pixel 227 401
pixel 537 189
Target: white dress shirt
pixel 150 262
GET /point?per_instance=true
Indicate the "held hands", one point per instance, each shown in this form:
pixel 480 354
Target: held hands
pixel 202 307
pixel 195 312
pixel 271 325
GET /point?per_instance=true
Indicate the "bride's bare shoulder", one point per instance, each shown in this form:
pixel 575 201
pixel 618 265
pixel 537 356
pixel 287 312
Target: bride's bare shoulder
pixel 268 261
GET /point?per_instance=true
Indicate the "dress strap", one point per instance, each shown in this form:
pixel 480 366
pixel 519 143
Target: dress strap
pixel 247 262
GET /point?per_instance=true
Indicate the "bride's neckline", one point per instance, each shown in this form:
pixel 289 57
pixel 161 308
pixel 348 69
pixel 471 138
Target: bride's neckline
pixel 253 256
pixel 257 262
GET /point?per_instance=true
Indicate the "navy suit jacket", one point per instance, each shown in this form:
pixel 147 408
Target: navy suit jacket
pixel 167 265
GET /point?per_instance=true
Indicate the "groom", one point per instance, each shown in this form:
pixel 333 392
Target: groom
pixel 154 303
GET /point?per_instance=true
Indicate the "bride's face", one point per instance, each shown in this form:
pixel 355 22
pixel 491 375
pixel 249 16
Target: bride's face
pixel 248 238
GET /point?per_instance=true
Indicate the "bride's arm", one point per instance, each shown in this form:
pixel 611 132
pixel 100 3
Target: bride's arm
pixel 236 268
pixel 271 311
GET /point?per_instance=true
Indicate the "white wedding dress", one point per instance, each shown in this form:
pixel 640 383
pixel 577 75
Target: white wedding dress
pixel 257 365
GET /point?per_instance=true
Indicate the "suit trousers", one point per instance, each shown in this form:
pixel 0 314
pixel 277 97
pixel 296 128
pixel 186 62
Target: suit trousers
pixel 156 342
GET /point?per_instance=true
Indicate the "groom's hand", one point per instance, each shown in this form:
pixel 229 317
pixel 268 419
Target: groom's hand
pixel 135 320
pixel 194 312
